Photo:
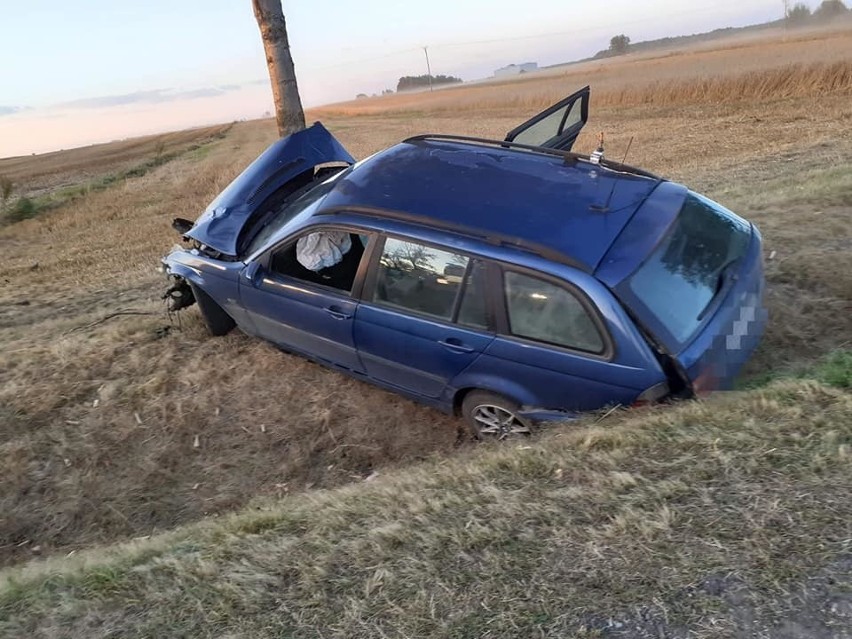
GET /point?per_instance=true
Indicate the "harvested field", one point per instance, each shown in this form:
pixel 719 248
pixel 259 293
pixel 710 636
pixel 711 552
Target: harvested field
pixel 783 65
pixel 119 429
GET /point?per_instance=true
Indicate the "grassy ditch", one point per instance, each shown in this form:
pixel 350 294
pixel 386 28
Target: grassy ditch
pixel 705 518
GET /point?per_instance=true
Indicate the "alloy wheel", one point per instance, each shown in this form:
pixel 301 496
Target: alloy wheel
pixel 496 421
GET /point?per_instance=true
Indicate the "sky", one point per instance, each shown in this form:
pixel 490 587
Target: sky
pixel 78 72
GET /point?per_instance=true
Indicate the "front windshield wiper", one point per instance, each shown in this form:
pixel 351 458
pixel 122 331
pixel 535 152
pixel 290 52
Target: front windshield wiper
pixel 727 276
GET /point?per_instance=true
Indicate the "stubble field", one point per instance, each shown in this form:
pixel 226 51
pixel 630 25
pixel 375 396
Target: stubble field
pixel 123 428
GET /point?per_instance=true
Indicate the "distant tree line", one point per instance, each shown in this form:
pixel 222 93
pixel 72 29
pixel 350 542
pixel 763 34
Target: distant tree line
pixel 410 82
pixel 619 45
pixel 800 14
pixel 795 15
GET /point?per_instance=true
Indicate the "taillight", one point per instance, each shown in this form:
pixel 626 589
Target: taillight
pixel 652 395
pixel 705 383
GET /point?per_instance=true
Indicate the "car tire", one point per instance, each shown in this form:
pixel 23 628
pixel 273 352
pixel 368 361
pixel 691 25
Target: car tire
pixel 218 322
pixel 493 416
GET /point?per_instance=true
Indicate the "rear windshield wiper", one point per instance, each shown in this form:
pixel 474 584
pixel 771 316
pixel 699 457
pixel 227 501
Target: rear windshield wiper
pixel 727 276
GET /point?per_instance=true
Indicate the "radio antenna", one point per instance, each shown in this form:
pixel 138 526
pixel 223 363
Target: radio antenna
pixel 629 144
pixel 605 207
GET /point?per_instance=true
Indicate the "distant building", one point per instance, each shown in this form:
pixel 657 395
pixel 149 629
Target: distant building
pixel 516 69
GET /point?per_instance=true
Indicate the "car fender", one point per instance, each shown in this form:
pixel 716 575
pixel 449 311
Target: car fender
pixel 462 384
pixel 187 272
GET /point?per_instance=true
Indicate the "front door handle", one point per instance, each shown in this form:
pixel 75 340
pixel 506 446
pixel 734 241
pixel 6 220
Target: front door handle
pixel 336 313
pixel 455 345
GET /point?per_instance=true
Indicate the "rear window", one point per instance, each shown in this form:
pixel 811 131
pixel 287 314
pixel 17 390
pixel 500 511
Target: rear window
pixel 679 280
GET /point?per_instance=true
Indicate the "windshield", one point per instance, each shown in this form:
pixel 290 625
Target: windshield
pixel 289 209
pixel 676 285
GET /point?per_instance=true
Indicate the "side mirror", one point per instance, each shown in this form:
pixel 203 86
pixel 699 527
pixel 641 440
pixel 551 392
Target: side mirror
pixel 253 273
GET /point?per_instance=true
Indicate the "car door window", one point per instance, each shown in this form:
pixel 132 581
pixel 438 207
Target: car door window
pixel 419 278
pixel 473 310
pixel 545 312
pixel 326 256
pixel 557 126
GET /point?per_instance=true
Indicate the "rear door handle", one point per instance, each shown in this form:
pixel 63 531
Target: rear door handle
pixel 455 345
pixel 336 313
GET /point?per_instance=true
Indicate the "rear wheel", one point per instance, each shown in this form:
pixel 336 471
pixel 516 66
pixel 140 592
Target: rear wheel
pixel 492 416
pixel 217 320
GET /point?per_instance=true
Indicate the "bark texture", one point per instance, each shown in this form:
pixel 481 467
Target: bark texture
pixel 282 73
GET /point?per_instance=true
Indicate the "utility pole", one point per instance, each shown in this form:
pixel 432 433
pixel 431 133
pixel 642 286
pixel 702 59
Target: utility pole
pixel 428 67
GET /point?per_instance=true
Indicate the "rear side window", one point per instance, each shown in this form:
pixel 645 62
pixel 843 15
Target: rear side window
pixel 685 272
pixel 545 312
pixel 419 278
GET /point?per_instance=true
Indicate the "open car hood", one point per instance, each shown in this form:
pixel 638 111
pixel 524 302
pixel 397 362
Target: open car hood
pixel 220 225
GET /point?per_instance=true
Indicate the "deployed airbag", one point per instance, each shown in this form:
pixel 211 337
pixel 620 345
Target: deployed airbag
pixel 320 250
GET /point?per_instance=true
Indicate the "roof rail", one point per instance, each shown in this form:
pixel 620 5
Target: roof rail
pixel 489 237
pixel 567 155
pixel 488 142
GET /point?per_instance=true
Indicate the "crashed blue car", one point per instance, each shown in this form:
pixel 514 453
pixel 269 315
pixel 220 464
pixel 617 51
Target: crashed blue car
pixel 506 281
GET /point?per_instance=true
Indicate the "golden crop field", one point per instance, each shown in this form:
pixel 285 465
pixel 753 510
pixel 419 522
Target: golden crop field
pixel 117 429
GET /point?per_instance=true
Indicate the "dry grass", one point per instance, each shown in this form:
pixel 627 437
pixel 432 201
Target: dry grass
pixel 77 474
pixel 729 519
pixel 788 81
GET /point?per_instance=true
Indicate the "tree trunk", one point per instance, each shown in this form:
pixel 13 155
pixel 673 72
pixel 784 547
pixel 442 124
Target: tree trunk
pixel 273 30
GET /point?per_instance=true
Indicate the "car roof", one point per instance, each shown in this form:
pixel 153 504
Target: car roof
pixel 560 203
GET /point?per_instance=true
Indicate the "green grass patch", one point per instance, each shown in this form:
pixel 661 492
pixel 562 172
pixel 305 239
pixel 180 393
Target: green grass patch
pixel 25 208
pixel 834 370
pixel 817 186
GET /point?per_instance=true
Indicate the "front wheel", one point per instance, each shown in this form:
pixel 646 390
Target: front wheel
pixel 218 322
pixel 492 416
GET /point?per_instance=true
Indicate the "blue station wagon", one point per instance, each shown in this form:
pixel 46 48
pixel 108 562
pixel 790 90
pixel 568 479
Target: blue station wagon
pixel 509 282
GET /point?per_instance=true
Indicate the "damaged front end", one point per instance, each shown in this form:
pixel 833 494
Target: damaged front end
pixel 215 242
pixel 179 295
